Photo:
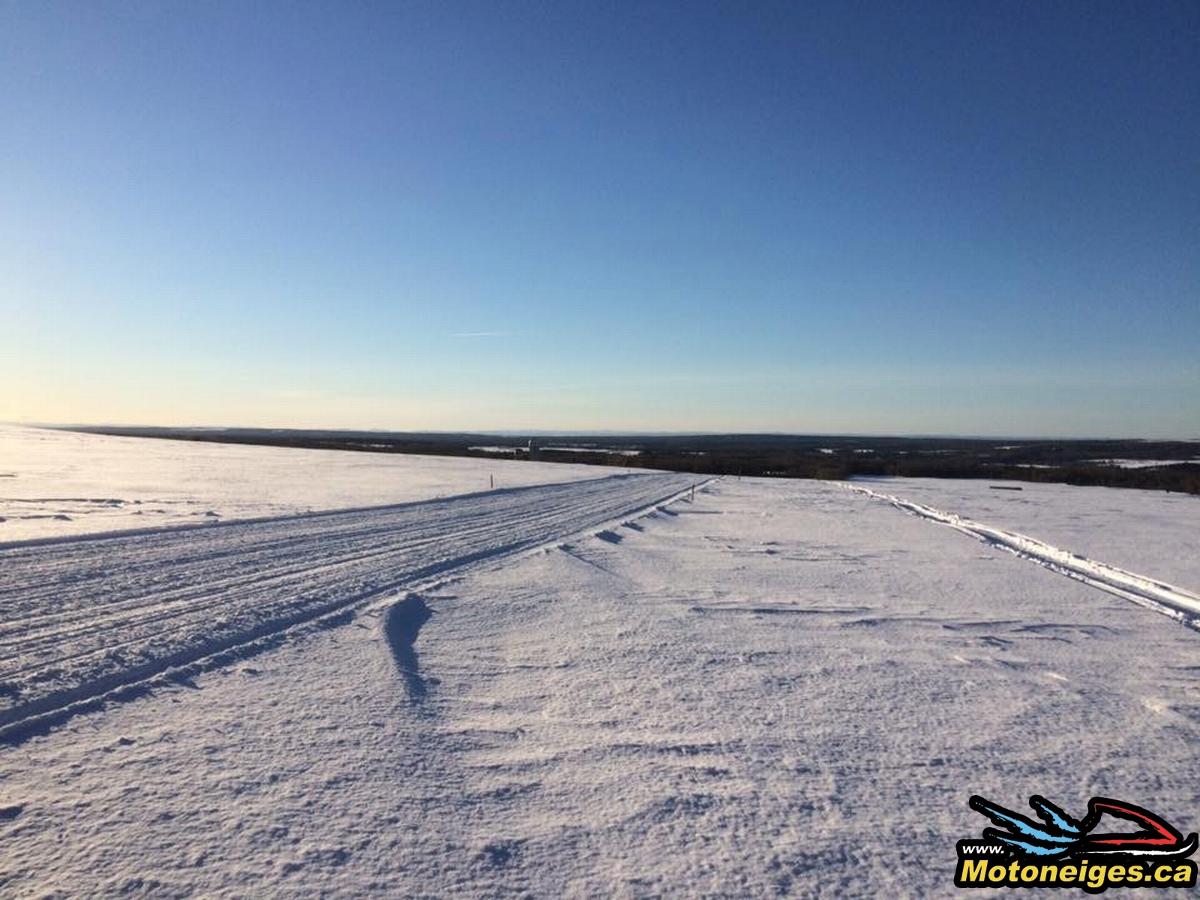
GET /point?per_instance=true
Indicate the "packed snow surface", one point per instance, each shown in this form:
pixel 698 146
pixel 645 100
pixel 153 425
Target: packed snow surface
pixel 81 617
pixel 55 483
pixel 779 688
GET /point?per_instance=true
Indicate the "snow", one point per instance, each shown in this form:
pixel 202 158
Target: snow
pixel 783 687
pixel 607 450
pixel 610 451
pixel 57 483
pixel 82 618
pixel 1141 463
pixel 1175 602
pixel 1150 532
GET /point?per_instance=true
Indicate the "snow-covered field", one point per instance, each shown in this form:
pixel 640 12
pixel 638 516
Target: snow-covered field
pixel 1142 463
pixel 1152 532
pixel 781 688
pixel 56 483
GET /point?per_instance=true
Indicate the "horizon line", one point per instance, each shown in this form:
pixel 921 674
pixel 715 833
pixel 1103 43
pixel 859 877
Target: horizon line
pixel 542 432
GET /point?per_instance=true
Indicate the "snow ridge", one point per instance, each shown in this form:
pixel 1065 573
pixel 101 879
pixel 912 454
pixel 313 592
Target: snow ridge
pixel 1175 602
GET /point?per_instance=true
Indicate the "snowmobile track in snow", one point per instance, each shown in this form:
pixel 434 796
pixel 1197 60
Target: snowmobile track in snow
pixel 1177 603
pixel 84 617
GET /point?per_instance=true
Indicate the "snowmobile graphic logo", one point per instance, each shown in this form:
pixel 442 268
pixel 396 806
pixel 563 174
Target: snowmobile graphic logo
pixel 1060 851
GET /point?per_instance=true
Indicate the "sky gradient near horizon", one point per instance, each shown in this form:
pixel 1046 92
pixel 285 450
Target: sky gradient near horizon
pixel 952 217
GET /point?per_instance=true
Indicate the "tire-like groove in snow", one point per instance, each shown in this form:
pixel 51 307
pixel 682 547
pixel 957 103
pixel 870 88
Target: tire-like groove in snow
pixel 83 619
pixel 1177 603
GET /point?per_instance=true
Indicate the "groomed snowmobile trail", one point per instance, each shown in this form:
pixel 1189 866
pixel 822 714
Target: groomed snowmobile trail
pixel 81 618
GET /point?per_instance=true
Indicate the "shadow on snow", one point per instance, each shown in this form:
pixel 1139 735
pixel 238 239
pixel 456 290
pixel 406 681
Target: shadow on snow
pixel 401 625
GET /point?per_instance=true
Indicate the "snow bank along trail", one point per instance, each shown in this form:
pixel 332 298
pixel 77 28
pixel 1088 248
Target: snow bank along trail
pixel 83 617
pixel 1152 593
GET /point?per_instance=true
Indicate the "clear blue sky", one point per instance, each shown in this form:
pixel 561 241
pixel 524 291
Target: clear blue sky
pixel 959 217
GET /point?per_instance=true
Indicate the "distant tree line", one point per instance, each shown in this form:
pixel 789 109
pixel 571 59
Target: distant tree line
pixel 776 456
